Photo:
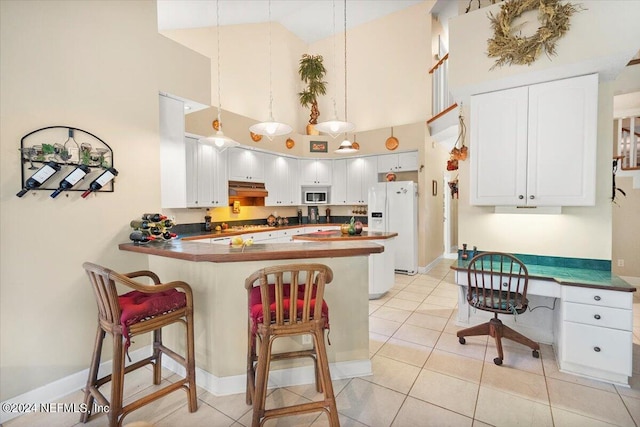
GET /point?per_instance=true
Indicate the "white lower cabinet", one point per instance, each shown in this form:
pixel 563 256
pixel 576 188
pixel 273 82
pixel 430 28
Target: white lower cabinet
pixel 594 336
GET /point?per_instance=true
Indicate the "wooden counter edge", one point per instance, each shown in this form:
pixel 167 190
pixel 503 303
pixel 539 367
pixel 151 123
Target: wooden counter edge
pixel 256 252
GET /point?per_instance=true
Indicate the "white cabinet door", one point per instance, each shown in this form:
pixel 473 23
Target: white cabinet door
pixel 499 147
pixel 281 180
pixel 339 186
pixel 246 165
pixel 361 174
pixel 173 185
pixel 408 161
pixel 207 184
pixel 400 162
pixel 562 131
pixel 535 145
pixel 315 172
pixel 191 173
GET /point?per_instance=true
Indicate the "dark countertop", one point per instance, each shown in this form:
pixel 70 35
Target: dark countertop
pixel 237 232
pixel 336 235
pixel 197 252
pixel 569 276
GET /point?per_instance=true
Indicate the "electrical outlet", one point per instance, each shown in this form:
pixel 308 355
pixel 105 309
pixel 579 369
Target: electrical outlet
pixel 306 339
pixel 620 263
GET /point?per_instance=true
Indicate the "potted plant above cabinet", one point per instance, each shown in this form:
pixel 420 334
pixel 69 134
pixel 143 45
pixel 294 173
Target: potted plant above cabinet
pixel 312 72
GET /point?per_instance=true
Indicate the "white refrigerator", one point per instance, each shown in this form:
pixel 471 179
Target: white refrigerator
pixel 393 207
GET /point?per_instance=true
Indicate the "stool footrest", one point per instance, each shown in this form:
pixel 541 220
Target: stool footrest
pixel 301 408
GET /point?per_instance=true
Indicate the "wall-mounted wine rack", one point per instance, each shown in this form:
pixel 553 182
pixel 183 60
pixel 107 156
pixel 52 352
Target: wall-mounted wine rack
pixel 69 148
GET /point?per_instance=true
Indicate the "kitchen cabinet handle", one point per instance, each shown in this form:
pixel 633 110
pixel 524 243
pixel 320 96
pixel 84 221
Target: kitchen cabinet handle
pixel 597 298
pixel 596 349
pixel 597 317
pixel 521 197
pixel 532 197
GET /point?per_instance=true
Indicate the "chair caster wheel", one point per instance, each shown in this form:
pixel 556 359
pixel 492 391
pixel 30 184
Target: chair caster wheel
pixel 535 354
pixel 461 340
pixel 497 361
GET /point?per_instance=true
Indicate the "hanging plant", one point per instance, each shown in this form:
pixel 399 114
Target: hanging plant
pixel 462 152
pixel 511 48
pixel 312 72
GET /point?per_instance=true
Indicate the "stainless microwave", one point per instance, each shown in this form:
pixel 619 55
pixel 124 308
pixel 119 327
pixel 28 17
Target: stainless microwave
pixel 316 197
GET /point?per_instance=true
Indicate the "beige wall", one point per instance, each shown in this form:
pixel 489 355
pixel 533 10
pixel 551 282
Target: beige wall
pixel 579 231
pixel 386 79
pixel 97 66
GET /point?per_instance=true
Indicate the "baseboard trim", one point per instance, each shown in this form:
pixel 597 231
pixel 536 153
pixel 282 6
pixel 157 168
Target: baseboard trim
pixel 55 390
pixel 219 386
pixel 425 269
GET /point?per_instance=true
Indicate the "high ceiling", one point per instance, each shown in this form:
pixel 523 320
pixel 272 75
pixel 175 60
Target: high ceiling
pixel 310 20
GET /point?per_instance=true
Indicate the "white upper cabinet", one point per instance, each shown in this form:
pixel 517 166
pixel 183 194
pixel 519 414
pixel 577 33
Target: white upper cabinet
pixel 535 145
pixel 246 165
pixel 207 184
pixel 399 162
pixel 281 180
pixel 361 174
pixel 172 153
pixel 339 187
pixel 315 172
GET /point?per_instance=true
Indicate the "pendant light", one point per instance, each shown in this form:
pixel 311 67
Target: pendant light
pixel 270 128
pixel 346 147
pixel 335 127
pixel 219 139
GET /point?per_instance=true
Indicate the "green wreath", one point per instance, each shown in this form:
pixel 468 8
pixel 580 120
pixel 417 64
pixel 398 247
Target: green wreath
pixel 513 48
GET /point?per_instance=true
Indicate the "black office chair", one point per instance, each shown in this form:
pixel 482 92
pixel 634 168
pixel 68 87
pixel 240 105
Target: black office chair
pixel 497 282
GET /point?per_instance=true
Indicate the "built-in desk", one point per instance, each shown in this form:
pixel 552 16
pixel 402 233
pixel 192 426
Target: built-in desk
pixel 578 306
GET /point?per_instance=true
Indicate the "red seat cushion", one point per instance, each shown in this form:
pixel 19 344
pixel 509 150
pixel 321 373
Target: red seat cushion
pixel 256 312
pixel 137 306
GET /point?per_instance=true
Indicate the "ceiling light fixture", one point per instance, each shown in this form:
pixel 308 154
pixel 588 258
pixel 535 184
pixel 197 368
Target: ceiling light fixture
pixel 346 147
pixel 335 127
pixel 270 128
pixel 219 139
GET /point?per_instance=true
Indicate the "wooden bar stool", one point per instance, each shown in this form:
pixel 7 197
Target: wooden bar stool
pixel 148 308
pixel 286 301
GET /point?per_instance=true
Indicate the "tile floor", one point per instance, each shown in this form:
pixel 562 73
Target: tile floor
pixel 422 377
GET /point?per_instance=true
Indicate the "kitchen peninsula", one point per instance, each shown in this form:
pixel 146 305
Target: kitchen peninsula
pixel 217 273
pixel 381 266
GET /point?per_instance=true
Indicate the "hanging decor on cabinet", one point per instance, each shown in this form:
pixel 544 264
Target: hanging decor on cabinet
pixel 511 47
pixel 462 152
pixel 289 143
pixel 458 154
pixel 42 158
pixel 255 137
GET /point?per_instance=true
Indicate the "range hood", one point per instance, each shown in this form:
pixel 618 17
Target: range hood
pixel 248 193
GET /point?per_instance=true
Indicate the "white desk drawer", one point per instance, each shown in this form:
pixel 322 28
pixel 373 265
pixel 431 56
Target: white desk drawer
pixel 600 348
pixel 598 297
pixel 599 316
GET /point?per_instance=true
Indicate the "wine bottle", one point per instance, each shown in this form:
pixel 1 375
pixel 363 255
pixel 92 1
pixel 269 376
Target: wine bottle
pixel 167 223
pixel 155 230
pixel 154 217
pixel 167 235
pixel 141 224
pixel 138 236
pixel 72 179
pixel 101 181
pixel 38 178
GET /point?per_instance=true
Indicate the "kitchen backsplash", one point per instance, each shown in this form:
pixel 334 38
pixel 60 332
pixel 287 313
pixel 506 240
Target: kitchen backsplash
pixel 259 214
